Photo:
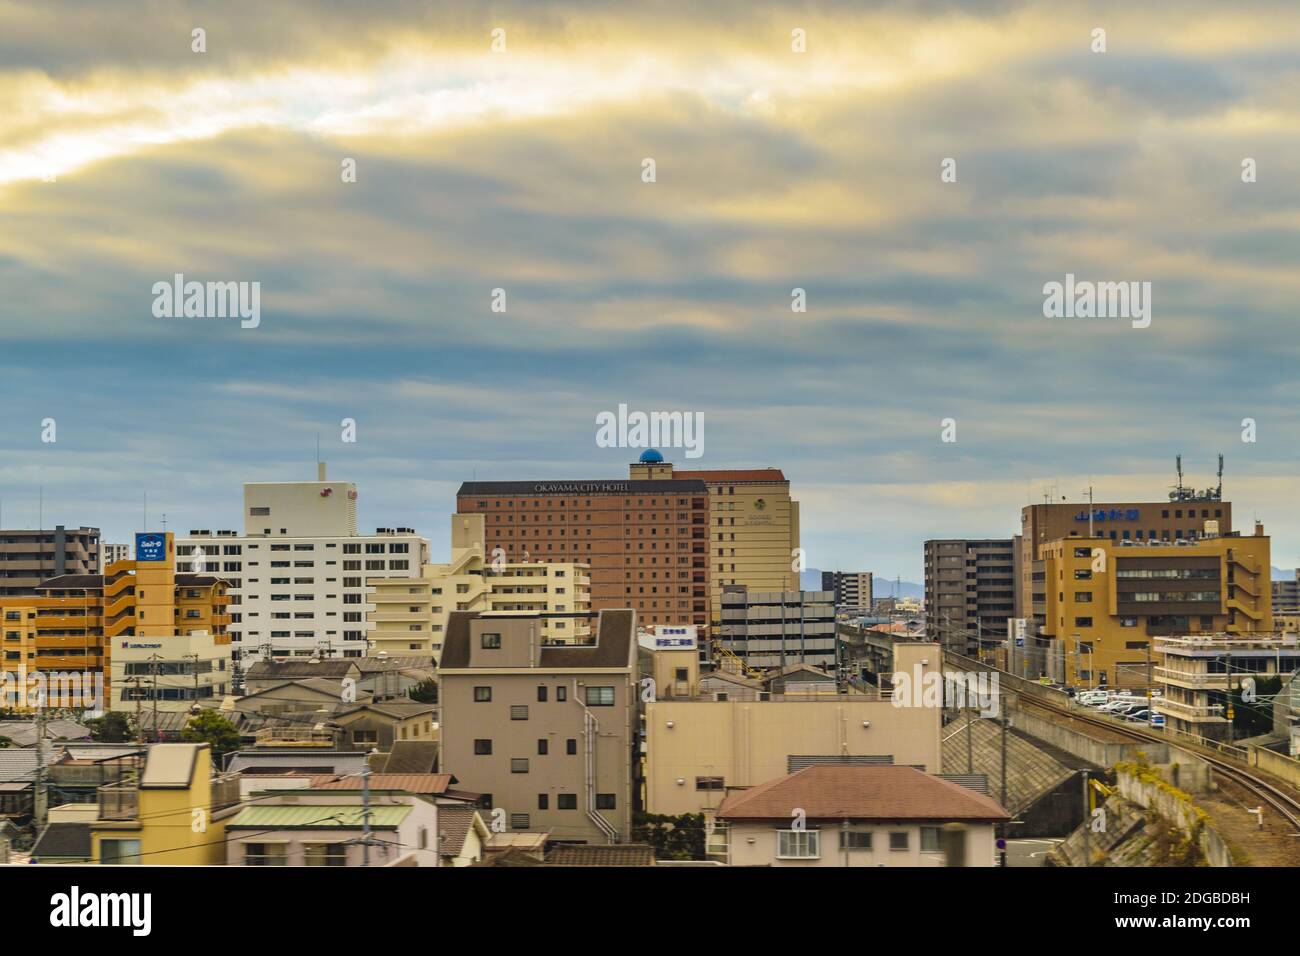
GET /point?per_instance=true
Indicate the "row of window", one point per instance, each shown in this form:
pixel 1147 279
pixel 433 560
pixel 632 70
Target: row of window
pixel 602 696
pixel 806 844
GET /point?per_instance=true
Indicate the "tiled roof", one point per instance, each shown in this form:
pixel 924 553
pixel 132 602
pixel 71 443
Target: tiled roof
pixel 596 854
pixel 842 792
pixel 406 782
pixel 453 828
pixel 63 841
pixel 412 756
pixel 317 817
pixel 289 670
pixel 394 663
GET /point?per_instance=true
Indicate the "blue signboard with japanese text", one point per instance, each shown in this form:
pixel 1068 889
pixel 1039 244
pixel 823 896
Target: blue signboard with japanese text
pixel 150 546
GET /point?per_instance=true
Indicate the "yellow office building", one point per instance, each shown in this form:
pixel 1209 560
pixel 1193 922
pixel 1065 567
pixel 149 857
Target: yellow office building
pixel 1107 601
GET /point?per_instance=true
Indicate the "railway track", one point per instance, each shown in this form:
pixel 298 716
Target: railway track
pixel 1277 798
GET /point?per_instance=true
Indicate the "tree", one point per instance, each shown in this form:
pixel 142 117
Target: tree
pixel 209 727
pixel 112 728
pixel 673 837
pixel 425 692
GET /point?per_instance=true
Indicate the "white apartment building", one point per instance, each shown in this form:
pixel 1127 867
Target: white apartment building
pixel 410 615
pixel 298 572
pixel 109 553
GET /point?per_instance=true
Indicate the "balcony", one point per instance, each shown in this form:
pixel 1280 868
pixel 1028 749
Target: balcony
pixel 1194 680
pixel 294 737
pixel 1197 713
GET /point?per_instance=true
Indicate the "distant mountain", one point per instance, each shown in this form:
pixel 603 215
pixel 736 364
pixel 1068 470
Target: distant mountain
pixel 811 580
pixel 1283 574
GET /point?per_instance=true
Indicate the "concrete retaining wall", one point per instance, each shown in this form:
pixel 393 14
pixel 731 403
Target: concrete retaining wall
pixel 1279 765
pixel 1178 810
pixel 1100 753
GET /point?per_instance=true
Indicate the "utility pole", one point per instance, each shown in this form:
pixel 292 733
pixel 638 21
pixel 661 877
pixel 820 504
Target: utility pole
pixel 139 727
pixel 1003 707
pixel 1087 822
pixel 41 797
pixel 365 815
pixel 153 670
pixel 844 841
pixel 970 746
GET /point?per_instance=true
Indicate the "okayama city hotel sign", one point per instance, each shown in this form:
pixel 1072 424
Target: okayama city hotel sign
pixel 582 488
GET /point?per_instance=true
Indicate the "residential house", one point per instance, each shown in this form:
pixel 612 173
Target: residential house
pixel 855 815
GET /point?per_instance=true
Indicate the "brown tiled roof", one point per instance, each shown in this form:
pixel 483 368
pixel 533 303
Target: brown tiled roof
pixel 598 854
pixel 855 792
pixel 407 782
pixel 514 856
pixel 412 756
pixel 453 827
pixel 733 474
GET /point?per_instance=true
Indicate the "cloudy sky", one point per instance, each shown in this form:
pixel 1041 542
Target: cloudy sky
pixel 126 157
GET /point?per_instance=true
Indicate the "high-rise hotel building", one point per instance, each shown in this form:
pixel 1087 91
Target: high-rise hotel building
pixel 663 542
pixel 297 574
pixel 646 541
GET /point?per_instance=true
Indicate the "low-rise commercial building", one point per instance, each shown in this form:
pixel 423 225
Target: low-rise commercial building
pixel 700 747
pixel 171 674
pixel 1198 674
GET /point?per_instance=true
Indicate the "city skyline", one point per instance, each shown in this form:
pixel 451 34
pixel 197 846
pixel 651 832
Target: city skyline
pixel 135 158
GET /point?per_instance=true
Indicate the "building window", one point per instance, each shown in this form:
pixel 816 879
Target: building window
pixel 519 712
pixel 491 641
pixel 482 695
pixel 571 746
pixel 482 747
pixel 541 693
pixel 119 852
pixel 798 844
pixel 324 854
pixel 709 783
pixel 854 840
pixel 929 839
pixel 1083 622
pixel 606 801
pixel 518 764
pixel 561 693
pixel 543 746
pixel 600 696
pixel 543 801
pixel 265 854
pixel 566 801
pixel 898 840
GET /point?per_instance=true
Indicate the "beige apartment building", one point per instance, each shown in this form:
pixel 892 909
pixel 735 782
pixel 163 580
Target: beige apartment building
pixel 699 748
pixel 546 731
pixel 410 614
pixel 753 527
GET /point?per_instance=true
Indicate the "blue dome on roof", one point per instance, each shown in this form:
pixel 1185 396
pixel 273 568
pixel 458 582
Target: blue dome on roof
pixel 650 456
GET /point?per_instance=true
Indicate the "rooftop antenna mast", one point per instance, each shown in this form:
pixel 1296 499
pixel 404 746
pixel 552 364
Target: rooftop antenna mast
pixel 1218 492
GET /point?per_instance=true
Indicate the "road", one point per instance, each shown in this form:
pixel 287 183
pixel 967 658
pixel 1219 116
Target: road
pixel 1029 852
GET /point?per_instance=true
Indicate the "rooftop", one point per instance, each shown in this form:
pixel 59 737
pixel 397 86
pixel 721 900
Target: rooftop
pixel 856 792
